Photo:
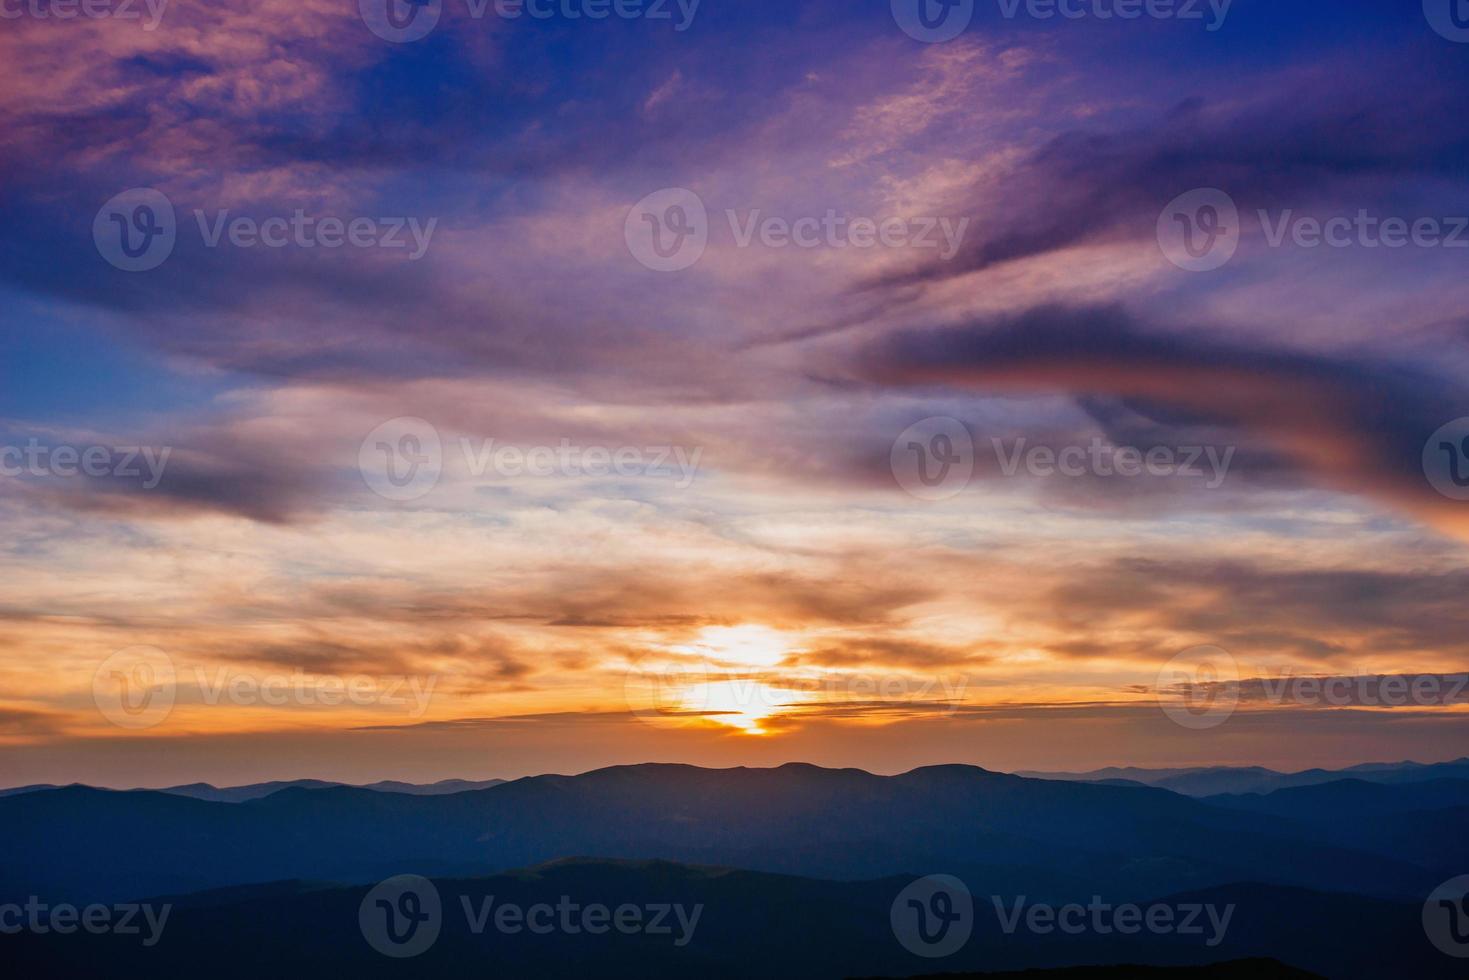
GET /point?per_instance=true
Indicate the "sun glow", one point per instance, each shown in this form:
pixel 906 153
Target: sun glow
pixel 731 693
pixel 738 703
pixel 748 645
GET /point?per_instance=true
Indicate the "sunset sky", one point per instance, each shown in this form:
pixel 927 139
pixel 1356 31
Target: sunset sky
pixel 759 579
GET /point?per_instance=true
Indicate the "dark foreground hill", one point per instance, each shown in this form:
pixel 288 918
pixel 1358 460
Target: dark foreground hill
pixel 1235 970
pixel 732 924
pixel 1047 839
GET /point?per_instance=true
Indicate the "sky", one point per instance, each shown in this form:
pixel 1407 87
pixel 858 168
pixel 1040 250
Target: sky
pixel 484 389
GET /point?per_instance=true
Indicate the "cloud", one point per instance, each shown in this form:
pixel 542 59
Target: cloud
pixel 1356 426
pixel 1268 145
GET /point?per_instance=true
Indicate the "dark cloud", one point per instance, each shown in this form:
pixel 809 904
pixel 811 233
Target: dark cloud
pixel 1393 119
pixel 1357 426
pixel 1310 615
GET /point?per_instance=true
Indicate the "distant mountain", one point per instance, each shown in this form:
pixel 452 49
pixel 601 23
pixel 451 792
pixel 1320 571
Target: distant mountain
pixel 33 788
pixel 749 924
pixel 238 794
pixel 255 791
pixel 1356 797
pixel 1046 839
pixel 1420 822
pixel 442 788
pixel 1215 780
pixel 1233 970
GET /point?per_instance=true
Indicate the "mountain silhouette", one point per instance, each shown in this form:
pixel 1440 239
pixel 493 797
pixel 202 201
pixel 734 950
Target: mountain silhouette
pixel 1048 839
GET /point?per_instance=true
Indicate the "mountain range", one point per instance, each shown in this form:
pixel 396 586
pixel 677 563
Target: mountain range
pixel 805 863
pixel 1211 780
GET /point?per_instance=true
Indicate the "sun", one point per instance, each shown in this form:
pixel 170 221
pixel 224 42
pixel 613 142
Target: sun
pixel 732 694
pixel 742 704
pixel 749 645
